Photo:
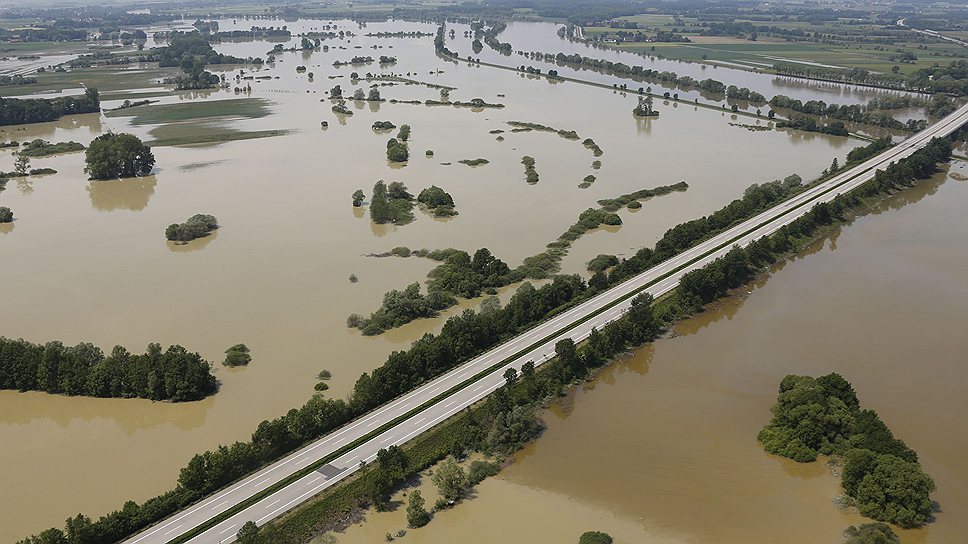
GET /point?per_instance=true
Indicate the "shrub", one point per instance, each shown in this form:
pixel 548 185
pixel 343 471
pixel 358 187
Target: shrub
pixel 237 355
pixel 197 226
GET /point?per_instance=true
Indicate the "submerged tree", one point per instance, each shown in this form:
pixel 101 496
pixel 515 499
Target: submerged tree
pixel 644 108
pixel 417 515
pixel 112 156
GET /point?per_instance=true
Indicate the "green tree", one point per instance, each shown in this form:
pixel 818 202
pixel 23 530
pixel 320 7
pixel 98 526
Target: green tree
pixel 112 156
pixel 380 204
pixel 404 133
pixel 450 479
pixel 595 537
pixel 417 515
pixel 237 355
pixel 374 94
pixel 21 164
pixel 434 197
pixel 397 151
pixel 248 534
pixel 359 94
pixel 6 215
pixel 358 197
pixel 896 491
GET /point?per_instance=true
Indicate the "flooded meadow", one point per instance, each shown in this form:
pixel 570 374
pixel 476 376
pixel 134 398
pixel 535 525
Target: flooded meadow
pixel 87 261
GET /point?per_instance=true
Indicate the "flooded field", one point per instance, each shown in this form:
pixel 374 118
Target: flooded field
pixel 661 448
pixel 87 261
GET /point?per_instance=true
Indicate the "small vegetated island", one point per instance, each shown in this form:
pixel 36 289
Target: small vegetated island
pixel 644 108
pixel 197 226
pixel 43 148
pixel 391 204
pixel 397 150
pixel 175 374
pixel 437 201
pixel 6 215
pixel 474 162
pixel 237 355
pixel 880 475
pixel 112 156
pixel 530 173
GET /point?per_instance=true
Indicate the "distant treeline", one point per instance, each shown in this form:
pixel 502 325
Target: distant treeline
pixel 950 79
pixel 670 78
pixel 174 375
pixel 20 111
pixel 471 333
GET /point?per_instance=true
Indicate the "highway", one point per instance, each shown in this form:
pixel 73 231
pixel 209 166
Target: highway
pixel 537 344
pixel 934 34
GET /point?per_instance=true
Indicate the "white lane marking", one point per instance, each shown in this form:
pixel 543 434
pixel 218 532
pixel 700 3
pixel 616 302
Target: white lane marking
pixel 264 480
pixel 173 530
pixel 449 404
pixel 219 504
pixel 419 420
pixel 271 504
pixel 350 461
pixel 227 530
pixel 387 439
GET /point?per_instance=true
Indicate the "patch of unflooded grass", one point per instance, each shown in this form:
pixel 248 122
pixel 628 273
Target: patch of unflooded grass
pixel 217 137
pixel 246 108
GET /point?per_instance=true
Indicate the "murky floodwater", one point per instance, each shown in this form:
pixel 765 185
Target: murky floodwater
pixel 87 261
pixel 662 447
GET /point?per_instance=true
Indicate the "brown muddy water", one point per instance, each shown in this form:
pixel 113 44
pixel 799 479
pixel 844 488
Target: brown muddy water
pixel 87 261
pixel 661 447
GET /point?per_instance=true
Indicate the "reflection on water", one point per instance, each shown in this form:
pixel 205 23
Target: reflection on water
pixel 65 411
pixel 130 194
pixel 192 245
pixel 26 185
pixel 6 228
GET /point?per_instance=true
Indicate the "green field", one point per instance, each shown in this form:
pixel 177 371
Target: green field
pixel 203 137
pixel 106 79
pixel 245 108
